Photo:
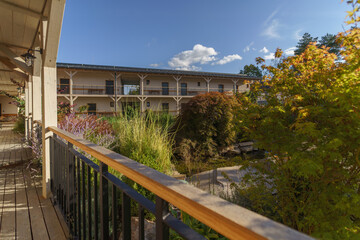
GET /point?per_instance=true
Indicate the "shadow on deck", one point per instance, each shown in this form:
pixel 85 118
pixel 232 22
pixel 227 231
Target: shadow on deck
pixel 24 213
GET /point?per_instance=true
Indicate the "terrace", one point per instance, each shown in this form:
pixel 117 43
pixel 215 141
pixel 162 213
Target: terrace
pixel 76 197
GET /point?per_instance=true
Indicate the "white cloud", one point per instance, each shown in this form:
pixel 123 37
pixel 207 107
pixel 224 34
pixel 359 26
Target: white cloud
pixel 272 29
pixel 272 15
pixel 290 51
pixel 154 65
pixel 198 55
pixel 297 35
pixel 264 50
pixel 227 59
pixel 247 48
pixel 271 26
pixel 270 56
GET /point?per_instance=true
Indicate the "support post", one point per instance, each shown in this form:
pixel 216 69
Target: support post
pixel 50 37
pixel 142 106
pixel 36 87
pixel 49 118
pixel 235 81
pixel 142 78
pixel 27 110
pixel 71 83
pixel 177 79
pixel 208 83
pixel 30 107
pixel 177 99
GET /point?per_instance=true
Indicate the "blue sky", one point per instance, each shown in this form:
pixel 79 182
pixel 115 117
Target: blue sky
pixel 206 35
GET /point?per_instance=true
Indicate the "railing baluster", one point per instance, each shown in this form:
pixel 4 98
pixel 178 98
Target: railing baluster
pixel 78 197
pixel 83 192
pixel 126 216
pixel 89 201
pixel 96 207
pixel 73 192
pixel 52 162
pixel 114 211
pixel 62 174
pixel 68 183
pixel 104 202
pixel 141 223
pixel 162 209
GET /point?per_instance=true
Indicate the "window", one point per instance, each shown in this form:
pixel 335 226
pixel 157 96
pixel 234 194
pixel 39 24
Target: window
pixel 165 88
pixel 147 104
pixel 183 89
pixel 64 86
pixel 165 107
pixel 147 82
pixel 92 108
pixel 199 84
pixel 112 104
pixel 221 88
pixel 109 87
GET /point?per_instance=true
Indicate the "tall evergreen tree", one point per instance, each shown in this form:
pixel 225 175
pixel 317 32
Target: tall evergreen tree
pixel 303 43
pixel 251 70
pixel 329 40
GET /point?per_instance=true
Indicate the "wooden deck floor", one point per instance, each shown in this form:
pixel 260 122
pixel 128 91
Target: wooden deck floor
pixel 24 214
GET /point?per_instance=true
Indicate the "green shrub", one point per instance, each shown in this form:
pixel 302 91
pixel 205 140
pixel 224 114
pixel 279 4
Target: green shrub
pixel 206 125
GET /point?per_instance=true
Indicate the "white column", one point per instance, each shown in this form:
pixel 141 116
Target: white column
pixel 177 79
pixel 208 83
pixel 71 83
pixel 235 81
pixel 30 107
pixel 142 78
pixel 49 118
pixel 26 110
pixel 36 88
pixel 50 37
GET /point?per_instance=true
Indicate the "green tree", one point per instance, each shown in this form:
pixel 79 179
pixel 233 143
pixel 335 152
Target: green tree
pixel 206 124
pixel 251 70
pixel 330 41
pixel 304 42
pixel 310 128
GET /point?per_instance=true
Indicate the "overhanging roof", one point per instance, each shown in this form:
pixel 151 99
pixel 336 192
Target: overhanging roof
pixel 152 71
pixel 19 24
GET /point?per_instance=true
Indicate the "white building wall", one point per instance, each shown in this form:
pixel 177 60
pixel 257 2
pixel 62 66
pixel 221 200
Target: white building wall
pixel 6 108
pixel 102 103
pixel 152 88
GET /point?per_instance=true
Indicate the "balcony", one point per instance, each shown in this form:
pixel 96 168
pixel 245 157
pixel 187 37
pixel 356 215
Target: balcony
pixel 97 204
pixel 125 90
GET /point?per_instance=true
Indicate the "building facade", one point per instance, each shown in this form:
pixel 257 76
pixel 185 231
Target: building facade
pixel 109 89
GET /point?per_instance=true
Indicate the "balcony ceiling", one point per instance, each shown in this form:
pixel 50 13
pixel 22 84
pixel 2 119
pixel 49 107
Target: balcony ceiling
pixel 19 31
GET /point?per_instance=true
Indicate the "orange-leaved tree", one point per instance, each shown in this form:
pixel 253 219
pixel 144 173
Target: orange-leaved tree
pixel 310 128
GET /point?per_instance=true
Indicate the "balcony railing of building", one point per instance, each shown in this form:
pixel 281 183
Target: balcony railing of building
pixel 98 205
pixel 135 90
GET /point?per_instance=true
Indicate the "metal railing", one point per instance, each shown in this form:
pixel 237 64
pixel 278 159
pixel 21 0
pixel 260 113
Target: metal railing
pixel 79 89
pixel 97 205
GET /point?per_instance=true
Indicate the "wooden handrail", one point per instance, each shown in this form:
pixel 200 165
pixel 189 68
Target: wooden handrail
pixel 226 218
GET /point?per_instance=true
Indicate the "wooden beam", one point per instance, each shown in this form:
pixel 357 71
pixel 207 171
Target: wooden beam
pixel 14 46
pixel 52 34
pixel 13 68
pixel 19 9
pixel 50 30
pixel 17 60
